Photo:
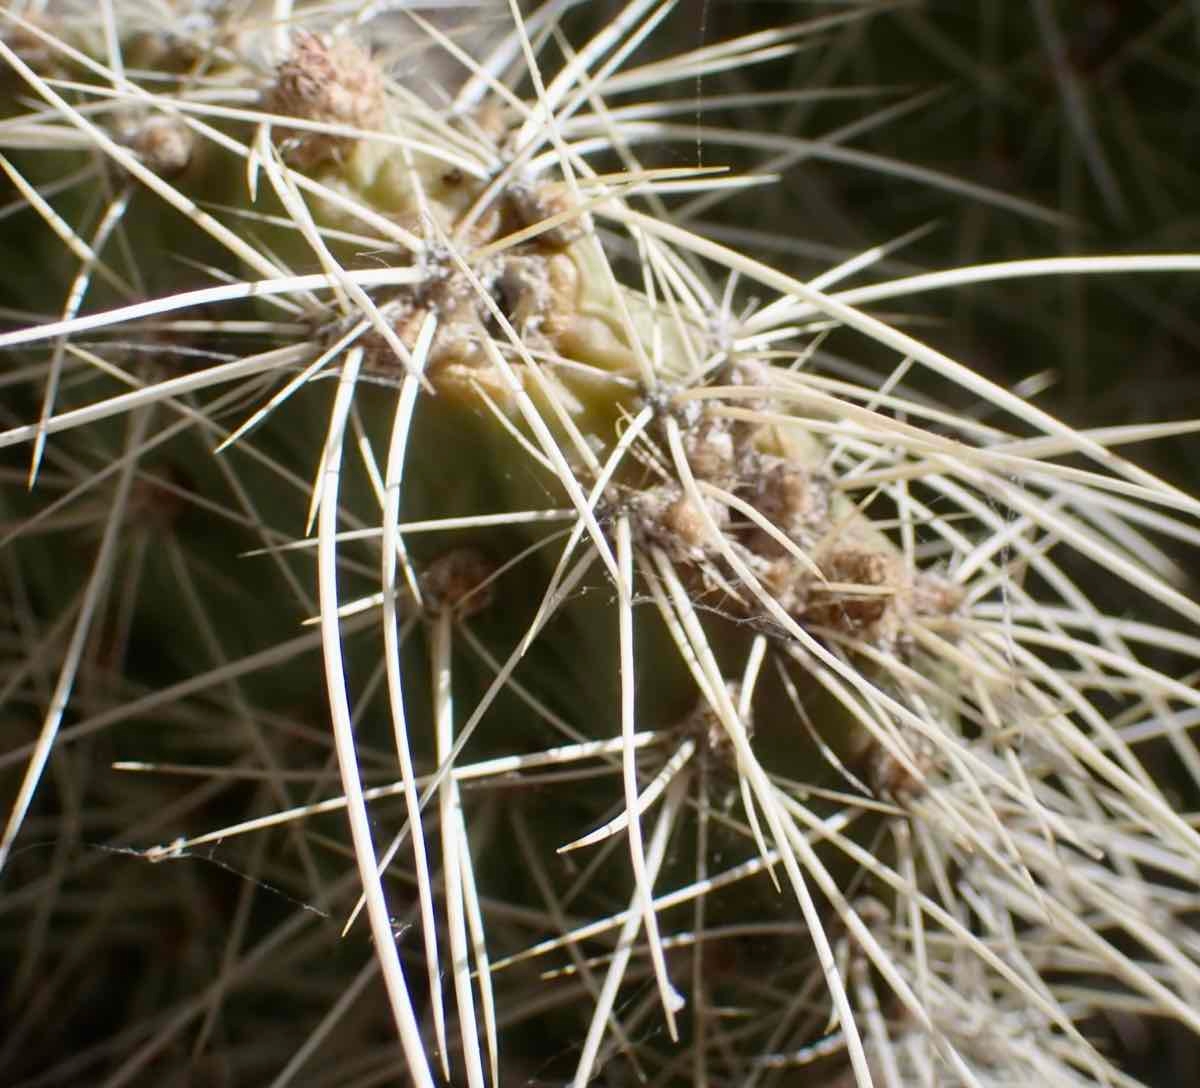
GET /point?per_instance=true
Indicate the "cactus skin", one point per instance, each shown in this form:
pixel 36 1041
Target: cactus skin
pixel 860 692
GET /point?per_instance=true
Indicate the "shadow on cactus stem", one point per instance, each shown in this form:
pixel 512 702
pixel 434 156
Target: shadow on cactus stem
pixel 490 598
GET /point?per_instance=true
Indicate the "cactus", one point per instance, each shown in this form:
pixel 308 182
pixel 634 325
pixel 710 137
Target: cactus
pixel 469 625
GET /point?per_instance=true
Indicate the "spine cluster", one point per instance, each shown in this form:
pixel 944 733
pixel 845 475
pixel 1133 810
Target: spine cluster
pixel 686 707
